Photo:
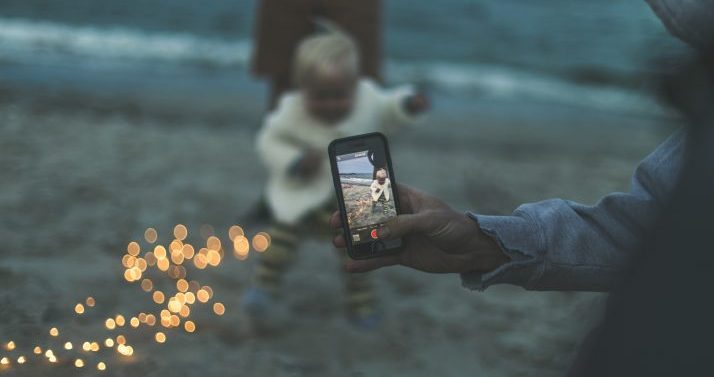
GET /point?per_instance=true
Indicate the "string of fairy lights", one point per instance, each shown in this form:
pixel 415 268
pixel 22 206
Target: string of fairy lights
pixel 154 267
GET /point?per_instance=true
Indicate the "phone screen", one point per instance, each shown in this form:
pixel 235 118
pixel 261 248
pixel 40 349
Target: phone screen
pixel 367 191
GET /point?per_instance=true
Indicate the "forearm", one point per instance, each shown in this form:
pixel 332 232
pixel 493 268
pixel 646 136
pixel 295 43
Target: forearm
pixel 563 245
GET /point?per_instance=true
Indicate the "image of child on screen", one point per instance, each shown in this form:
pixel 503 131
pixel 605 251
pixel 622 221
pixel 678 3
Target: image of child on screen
pixel 368 194
pixel 381 191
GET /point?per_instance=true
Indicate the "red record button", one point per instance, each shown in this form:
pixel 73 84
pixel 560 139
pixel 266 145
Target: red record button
pixel 373 233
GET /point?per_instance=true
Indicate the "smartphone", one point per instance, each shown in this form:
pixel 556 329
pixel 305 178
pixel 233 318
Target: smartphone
pixel 366 192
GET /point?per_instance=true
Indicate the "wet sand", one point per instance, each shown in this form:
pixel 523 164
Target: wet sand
pixel 361 211
pixel 78 185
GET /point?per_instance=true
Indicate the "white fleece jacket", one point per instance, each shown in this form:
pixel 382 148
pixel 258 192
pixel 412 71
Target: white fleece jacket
pixel 289 131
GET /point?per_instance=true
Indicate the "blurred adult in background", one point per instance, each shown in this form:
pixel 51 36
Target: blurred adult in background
pixel 282 24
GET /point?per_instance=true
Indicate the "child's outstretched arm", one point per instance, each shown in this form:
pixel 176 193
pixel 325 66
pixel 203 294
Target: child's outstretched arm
pixel 401 106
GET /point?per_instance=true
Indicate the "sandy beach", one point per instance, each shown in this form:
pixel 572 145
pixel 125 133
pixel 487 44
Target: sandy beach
pixel 78 183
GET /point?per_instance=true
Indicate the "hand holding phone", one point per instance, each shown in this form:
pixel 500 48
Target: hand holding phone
pixel 363 176
pixel 435 238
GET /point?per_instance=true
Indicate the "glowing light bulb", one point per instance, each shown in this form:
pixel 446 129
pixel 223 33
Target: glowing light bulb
pixel 163 264
pixel 90 301
pixel 4 361
pixel 49 353
pixel 68 346
pixel 121 340
pixel 188 251
pixel 37 350
pixel 182 285
pixel 101 366
pixel 234 232
pixel 109 342
pixel 54 331
pixel 147 285
pixel 79 309
pixel 160 337
pixel 180 232
pixel 133 248
pixel 158 297
pixel 174 305
pixel 213 258
pixel 94 347
pixel 261 242
pixel 202 295
pixel 86 346
pixel 150 235
pixel 177 256
pixel 189 326
pixel 21 360
pixel 134 322
pixel 160 252
pixel 141 264
pixel 150 259
pixel 213 243
pixel 176 246
pixel 110 324
pixel 175 321
pixel 218 308
pixel 119 319
pixel 79 363
pixel 241 247
pixel 10 345
pixel 52 359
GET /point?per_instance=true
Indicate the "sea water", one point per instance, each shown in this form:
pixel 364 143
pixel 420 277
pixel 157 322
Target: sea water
pixel 590 54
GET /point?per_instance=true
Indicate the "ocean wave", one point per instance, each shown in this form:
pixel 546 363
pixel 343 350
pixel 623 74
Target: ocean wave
pixel 44 42
pixel 506 82
pixel 31 39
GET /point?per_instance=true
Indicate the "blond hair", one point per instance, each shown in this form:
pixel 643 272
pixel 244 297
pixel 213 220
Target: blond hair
pixel 325 53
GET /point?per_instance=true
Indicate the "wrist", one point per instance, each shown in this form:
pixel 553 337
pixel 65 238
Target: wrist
pixel 488 255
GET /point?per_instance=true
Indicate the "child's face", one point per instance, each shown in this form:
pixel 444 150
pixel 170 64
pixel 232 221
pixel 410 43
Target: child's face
pixel 329 97
pixel 381 176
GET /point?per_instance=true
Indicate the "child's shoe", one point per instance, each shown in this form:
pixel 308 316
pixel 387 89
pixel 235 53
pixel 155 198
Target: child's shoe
pixel 364 317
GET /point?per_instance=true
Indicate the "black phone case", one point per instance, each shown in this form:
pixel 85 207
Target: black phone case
pixel 338 190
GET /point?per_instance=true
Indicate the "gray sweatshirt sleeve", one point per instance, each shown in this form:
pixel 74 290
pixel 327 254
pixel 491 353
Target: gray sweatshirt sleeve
pixel 562 245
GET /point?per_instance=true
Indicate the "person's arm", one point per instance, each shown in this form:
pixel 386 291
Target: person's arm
pixel 562 245
pixel 399 106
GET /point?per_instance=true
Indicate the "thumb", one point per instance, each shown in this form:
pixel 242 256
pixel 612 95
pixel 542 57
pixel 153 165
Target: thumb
pixel 403 225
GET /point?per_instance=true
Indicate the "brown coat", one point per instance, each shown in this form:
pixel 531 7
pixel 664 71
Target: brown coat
pixel 282 24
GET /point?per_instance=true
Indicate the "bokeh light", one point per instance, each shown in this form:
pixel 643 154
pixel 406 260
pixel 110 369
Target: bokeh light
pixel 261 242
pixel 180 232
pixel 150 235
pixel 219 308
pixel 133 248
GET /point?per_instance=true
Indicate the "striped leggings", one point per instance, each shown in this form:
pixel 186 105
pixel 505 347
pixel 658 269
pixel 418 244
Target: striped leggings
pixel 285 241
